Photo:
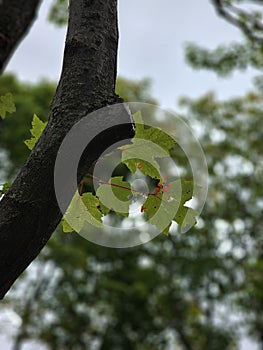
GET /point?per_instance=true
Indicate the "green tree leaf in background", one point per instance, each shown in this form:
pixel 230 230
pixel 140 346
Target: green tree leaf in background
pixel 37 128
pixel 6 105
pixel 29 98
pixel 180 273
pixel 58 13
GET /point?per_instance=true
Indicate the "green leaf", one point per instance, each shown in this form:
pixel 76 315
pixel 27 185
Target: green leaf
pixel 166 230
pixel 168 206
pixel 103 209
pixel 139 124
pixel 161 207
pixel 182 190
pixel 92 204
pixel 6 105
pixel 160 211
pixel 65 226
pixel 153 134
pixel 142 154
pixel 5 188
pixel 114 195
pixel 185 216
pixel 37 128
pixel 148 144
pixel 82 209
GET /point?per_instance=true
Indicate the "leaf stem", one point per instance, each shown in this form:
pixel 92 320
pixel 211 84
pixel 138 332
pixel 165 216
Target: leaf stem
pixel 100 181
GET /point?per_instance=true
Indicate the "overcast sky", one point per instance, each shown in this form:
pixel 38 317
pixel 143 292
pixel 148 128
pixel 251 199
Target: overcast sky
pixel 152 35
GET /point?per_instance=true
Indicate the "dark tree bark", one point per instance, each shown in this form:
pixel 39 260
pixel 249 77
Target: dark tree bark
pixel 29 212
pixel 16 19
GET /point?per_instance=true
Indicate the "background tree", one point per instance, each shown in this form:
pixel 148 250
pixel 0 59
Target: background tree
pixel 139 279
pixel 16 128
pixel 179 287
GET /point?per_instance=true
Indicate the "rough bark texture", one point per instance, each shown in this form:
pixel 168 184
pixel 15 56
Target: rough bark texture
pixel 29 212
pixel 16 19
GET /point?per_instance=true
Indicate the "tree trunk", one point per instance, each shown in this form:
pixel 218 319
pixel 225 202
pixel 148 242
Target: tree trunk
pixel 29 212
pixel 16 19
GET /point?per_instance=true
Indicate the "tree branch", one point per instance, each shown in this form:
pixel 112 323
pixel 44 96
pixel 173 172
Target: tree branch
pixel 29 212
pixel 240 19
pixel 16 19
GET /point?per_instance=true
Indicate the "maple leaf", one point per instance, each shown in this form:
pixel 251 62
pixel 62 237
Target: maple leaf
pixel 37 128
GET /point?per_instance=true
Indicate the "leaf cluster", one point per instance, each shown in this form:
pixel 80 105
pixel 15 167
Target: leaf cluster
pixel 164 205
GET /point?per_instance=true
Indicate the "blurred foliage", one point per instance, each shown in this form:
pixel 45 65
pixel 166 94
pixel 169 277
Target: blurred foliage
pixel 232 140
pixel 227 58
pixel 135 91
pixel 169 291
pixel 172 290
pixel 29 99
pixel 58 13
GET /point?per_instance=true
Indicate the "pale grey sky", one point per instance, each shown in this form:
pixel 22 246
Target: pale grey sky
pixel 152 34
